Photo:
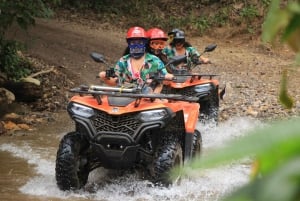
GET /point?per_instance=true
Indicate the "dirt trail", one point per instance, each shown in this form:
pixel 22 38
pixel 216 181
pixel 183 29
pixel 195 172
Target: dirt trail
pixel 250 71
pixel 65 44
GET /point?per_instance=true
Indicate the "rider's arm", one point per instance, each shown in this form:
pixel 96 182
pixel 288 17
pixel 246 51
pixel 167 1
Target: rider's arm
pixel 158 88
pixel 111 81
pixel 162 70
pixel 195 55
pixel 204 60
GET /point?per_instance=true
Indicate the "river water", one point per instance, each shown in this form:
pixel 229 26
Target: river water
pixel 27 170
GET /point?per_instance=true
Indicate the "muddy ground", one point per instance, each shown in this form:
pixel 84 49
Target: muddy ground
pixel 250 70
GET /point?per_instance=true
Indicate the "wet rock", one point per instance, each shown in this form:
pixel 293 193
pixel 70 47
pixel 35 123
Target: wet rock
pixel 11 126
pixel 6 96
pixel 2 128
pixel 250 111
pixel 13 117
pixel 24 126
pixel 24 91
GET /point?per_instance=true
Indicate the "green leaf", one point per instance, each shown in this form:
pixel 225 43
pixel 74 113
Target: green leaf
pixel 274 23
pixel 283 183
pixel 293 25
pixel 280 185
pixel 284 97
pixel 298 58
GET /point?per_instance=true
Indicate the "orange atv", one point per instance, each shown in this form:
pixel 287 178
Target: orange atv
pixel 123 128
pixel 203 86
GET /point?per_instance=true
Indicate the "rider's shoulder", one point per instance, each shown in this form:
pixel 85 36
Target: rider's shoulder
pixel 191 48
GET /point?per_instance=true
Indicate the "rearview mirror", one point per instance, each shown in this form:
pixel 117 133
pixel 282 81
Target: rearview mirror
pixel 210 48
pixel 97 57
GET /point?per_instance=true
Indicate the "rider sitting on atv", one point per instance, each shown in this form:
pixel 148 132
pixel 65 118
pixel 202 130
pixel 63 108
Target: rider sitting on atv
pixel 137 66
pixel 178 46
pixel 157 42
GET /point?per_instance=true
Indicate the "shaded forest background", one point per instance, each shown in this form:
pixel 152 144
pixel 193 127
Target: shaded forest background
pixel 210 17
pixel 194 16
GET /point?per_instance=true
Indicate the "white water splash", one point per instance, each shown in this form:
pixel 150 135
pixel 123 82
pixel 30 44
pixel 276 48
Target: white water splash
pixel 215 137
pixel 207 185
pixel 42 166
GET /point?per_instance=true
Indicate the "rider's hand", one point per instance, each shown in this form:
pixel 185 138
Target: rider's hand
pixel 106 80
pixel 102 75
pixel 204 60
pixel 169 76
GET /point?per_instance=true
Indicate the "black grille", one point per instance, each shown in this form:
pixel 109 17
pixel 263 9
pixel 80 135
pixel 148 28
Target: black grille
pixel 126 123
pixel 187 91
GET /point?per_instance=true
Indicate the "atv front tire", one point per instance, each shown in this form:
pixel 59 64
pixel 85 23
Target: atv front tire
pixel 167 156
pixel 71 169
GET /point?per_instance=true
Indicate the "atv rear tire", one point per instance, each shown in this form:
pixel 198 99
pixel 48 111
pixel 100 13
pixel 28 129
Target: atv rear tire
pixel 167 156
pixel 71 169
pixel 197 144
pixel 209 109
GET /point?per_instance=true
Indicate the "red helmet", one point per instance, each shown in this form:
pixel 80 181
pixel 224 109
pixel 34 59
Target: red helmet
pixel 156 33
pixel 136 32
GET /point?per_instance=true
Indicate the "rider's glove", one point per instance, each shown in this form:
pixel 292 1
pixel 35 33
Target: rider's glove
pixel 195 59
pixel 198 62
pixel 110 73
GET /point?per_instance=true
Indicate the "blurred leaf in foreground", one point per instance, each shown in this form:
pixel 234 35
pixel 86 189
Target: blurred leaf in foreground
pixel 273 143
pixel 284 97
pixel 276 148
pixel 285 22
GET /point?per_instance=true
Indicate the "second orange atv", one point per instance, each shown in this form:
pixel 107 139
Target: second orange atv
pixel 203 86
pixel 123 128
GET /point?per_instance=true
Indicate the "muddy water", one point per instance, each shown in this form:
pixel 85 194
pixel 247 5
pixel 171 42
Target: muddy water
pixel 27 170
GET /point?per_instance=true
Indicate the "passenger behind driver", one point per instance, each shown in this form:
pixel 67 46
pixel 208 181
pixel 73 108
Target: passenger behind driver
pixel 157 42
pixel 136 67
pixel 178 46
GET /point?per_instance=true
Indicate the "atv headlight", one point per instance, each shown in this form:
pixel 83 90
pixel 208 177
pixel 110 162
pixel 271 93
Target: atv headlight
pixel 82 110
pixel 203 88
pixel 153 115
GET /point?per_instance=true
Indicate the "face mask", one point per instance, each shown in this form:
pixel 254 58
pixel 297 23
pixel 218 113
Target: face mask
pixel 137 47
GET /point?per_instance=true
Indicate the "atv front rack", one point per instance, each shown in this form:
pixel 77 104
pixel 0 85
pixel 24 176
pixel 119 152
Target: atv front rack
pixel 197 75
pixel 97 91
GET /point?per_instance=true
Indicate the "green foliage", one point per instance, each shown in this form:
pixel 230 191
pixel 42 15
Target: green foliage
pixel 221 17
pixel 249 12
pixel 11 63
pixel 278 19
pixel 284 97
pixel 201 24
pixel 188 15
pixel 23 13
pixel 266 3
pixel 284 22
